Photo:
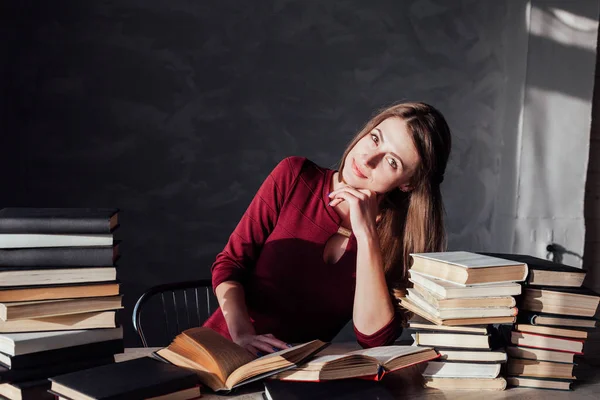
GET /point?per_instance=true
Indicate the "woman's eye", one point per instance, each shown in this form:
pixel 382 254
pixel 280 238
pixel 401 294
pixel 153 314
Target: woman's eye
pixel 393 163
pixel 375 138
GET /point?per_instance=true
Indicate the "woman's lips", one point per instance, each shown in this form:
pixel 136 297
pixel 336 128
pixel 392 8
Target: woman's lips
pixel 357 171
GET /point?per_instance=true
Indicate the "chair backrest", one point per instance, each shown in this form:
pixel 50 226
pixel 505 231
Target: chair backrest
pixel 184 305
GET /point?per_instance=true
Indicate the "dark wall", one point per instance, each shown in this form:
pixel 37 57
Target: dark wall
pixel 175 111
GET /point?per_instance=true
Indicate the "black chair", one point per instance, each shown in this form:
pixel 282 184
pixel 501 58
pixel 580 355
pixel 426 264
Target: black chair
pixel 182 307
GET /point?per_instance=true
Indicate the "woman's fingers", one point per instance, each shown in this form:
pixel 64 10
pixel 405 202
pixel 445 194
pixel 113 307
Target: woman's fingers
pixel 253 350
pixel 273 342
pixel 263 346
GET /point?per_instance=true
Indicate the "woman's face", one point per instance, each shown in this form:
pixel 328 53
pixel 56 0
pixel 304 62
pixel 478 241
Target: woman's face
pixel 383 159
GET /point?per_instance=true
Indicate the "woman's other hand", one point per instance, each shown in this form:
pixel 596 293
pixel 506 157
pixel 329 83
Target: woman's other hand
pixel 260 345
pixel 363 206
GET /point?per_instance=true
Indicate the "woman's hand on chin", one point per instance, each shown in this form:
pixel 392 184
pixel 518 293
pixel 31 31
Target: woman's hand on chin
pixel 259 345
pixel 363 206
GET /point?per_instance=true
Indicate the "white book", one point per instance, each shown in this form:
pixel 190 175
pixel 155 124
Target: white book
pixel 15 344
pixel 449 290
pixel 441 369
pixel 472 356
pixel 466 268
pixel 29 240
pixel 33 277
pixel 456 313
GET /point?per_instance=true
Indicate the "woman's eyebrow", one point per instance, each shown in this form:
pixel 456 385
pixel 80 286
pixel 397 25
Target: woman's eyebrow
pixel 394 154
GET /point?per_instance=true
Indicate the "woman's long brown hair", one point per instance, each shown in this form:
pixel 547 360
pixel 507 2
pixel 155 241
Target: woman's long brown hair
pixel 413 222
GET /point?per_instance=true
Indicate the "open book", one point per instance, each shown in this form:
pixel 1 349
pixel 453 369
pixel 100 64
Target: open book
pixel 223 365
pixel 371 363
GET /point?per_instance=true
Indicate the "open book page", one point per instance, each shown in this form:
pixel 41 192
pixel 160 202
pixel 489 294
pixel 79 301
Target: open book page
pixel 274 362
pixel 211 350
pixel 384 354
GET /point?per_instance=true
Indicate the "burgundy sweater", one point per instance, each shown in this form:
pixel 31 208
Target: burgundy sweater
pixel 276 252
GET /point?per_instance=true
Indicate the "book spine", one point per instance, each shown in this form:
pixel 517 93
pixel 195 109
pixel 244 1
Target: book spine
pixel 58 257
pixel 54 225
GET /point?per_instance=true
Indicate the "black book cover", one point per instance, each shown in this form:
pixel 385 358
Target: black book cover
pixel 67 354
pixel 570 381
pixel 34 390
pixel 46 371
pixel 345 389
pixel 56 220
pixel 572 290
pixel 537 263
pixel 529 317
pixel 133 379
pixel 91 256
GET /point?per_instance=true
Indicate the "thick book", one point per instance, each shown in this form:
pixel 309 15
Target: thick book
pixel 58 220
pixel 408 304
pixel 455 340
pixel 15 344
pixel 449 290
pixel 539 383
pixel 372 364
pixel 566 321
pixel 580 302
pixel 30 240
pixel 28 390
pixel 418 323
pixel 223 365
pixel 36 276
pixel 552 331
pixel 529 353
pixel 454 313
pixel 441 303
pixel 352 389
pixel 543 369
pixel 466 268
pixel 442 369
pixel 140 378
pixel 46 371
pixel 58 291
pixel 465 383
pixel 91 320
pixel 545 272
pixel 88 256
pixel 544 342
pixel 65 354
pixel 480 356
pixel 50 308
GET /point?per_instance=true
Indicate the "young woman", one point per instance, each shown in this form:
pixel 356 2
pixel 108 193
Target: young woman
pixel 318 247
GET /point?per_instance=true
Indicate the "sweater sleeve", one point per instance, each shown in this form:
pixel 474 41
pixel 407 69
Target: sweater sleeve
pixel 245 243
pixel 383 337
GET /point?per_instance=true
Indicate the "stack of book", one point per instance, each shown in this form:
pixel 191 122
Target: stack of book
pixel 557 315
pixel 457 295
pixel 59 295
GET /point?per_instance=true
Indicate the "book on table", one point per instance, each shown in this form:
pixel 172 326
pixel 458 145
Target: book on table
pixel 49 308
pixel 373 364
pixel 558 320
pixel 581 302
pixel 28 390
pixel 463 312
pixel 443 383
pixel 443 369
pixel 223 365
pixel 539 383
pixel 552 331
pixel 408 304
pixel 466 268
pixel 140 378
pixel 33 276
pixel 545 342
pixel 542 369
pixel 58 220
pixel 90 256
pixel 441 303
pixel 89 320
pixel 530 353
pixel 449 290
pixel 545 272
pixel 17 344
pixel 59 291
